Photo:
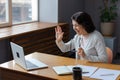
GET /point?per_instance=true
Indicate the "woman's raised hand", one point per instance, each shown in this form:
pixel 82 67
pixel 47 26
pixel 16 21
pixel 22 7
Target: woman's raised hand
pixel 59 34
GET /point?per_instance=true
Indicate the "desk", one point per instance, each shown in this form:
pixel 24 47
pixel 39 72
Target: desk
pixel 52 60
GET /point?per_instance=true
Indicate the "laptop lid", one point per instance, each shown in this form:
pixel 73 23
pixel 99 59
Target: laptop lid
pixel 18 55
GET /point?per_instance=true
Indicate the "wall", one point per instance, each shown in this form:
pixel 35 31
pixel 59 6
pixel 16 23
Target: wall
pixel 48 10
pixel 59 11
pixel 92 7
pixel 67 9
pixel 117 28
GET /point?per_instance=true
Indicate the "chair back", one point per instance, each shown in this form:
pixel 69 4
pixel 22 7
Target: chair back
pixel 110 54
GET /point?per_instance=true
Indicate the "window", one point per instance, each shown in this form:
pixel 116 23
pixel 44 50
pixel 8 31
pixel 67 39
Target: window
pixel 18 11
pixel 3 11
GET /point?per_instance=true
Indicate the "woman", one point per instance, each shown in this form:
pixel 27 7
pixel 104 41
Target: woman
pixel 88 42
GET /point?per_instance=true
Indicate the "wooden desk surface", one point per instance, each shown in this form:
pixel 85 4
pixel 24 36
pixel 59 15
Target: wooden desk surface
pixel 52 60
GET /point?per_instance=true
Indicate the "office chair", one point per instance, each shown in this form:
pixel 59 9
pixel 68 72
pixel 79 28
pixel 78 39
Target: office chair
pixel 110 54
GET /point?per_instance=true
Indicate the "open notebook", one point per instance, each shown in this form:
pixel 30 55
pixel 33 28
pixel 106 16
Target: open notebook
pixel 63 70
pixel 19 58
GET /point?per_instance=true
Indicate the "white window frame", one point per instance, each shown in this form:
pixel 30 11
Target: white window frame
pixel 9 15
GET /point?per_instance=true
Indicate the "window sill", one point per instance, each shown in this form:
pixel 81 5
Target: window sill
pixel 8 32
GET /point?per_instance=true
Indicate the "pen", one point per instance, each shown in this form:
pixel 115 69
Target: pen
pixel 106 74
pixel 84 72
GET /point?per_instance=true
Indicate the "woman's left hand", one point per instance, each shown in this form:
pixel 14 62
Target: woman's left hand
pixel 81 52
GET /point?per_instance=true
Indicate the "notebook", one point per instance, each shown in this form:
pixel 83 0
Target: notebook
pixel 26 63
pixel 63 70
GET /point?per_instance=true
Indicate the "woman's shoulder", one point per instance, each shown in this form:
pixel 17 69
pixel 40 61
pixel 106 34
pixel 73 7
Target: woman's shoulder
pixel 96 34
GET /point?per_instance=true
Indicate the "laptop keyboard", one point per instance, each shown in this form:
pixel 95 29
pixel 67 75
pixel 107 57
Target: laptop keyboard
pixel 30 65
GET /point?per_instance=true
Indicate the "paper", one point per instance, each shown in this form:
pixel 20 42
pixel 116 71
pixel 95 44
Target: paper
pixel 106 74
pixel 86 70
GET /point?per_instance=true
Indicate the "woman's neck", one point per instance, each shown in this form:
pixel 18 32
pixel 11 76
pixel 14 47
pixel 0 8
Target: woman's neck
pixel 85 34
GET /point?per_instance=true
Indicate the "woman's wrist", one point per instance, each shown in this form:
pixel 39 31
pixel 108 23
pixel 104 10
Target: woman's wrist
pixel 58 41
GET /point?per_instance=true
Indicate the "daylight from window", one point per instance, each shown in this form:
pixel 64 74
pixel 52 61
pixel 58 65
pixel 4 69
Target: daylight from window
pixel 20 11
pixel 23 10
pixel 3 11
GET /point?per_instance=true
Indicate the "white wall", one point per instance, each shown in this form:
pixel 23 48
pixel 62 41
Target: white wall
pixel 48 10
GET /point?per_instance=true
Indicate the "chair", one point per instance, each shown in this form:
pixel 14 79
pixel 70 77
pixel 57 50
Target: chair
pixel 110 54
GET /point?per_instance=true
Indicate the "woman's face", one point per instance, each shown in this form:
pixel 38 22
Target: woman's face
pixel 78 28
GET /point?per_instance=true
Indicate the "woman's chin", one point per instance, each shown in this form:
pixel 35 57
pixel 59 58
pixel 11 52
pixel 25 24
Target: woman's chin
pixel 79 33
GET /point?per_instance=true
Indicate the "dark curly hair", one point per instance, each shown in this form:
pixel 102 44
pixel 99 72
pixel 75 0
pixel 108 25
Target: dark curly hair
pixel 84 19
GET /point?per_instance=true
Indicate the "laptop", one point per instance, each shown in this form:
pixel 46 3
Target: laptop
pixel 26 63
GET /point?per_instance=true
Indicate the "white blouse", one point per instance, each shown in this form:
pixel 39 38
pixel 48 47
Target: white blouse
pixel 93 46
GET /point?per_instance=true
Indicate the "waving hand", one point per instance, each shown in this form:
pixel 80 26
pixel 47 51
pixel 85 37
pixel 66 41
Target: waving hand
pixel 59 34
